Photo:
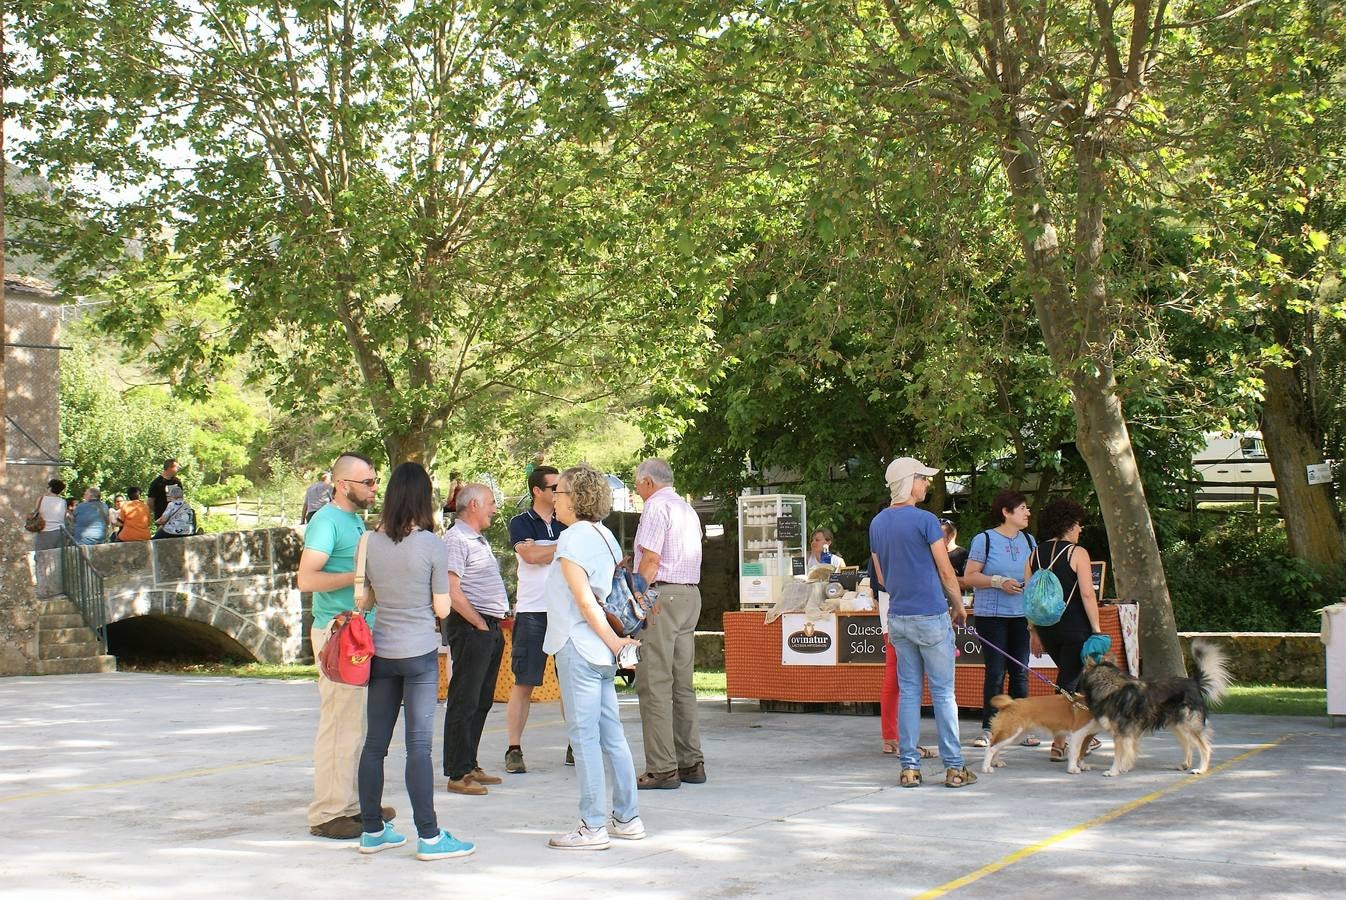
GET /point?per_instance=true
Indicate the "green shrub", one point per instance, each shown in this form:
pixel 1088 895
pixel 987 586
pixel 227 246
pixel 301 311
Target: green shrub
pixel 212 523
pixel 222 492
pixel 1225 578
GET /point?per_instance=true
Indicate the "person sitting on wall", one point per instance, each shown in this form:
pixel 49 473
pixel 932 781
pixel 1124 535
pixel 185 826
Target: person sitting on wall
pixel 90 525
pixel 135 517
pixel 179 519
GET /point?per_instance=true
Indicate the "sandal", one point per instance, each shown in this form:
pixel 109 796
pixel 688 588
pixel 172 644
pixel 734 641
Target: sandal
pixel 984 740
pixel 956 778
pixel 1030 741
pixel 1094 744
pixel 890 746
pixel 1058 753
pixel 910 778
pixel 927 752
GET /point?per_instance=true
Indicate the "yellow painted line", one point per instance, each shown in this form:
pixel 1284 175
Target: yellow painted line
pixel 192 773
pixel 1033 849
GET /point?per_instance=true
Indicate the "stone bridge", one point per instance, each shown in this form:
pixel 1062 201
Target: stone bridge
pixel 239 586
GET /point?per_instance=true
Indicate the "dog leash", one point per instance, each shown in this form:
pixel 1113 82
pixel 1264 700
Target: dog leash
pixel 1074 700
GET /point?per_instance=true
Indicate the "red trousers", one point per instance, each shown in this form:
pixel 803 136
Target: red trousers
pixel 888 698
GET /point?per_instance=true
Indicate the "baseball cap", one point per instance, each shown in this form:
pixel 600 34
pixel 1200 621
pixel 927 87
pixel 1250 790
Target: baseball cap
pixel 905 467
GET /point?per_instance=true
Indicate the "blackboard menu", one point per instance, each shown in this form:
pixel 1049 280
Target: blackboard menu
pixel 787 527
pixel 859 639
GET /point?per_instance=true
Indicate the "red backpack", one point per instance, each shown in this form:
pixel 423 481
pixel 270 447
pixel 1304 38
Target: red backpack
pixel 349 648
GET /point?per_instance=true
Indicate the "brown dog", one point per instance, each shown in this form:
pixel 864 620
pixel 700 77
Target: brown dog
pixel 1056 713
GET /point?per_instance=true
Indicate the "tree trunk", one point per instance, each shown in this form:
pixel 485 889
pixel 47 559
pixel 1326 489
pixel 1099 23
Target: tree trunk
pixel 1138 569
pixel 1312 524
pixel 412 445
pixel 1074 327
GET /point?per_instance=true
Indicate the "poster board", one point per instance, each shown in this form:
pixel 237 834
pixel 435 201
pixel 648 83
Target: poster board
pixel 805 643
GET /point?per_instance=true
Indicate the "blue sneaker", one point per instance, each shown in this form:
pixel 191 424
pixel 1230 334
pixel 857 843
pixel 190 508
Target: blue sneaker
pixel 446 846
pixel 373 843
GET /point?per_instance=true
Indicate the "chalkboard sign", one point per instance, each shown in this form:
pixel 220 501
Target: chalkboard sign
pixel 859 640
pixel 967 649
pixel 1100 571
pixel 796 565
pixel 787 527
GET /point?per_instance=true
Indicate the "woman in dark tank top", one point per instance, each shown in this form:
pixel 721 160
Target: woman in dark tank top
pixel 1061 522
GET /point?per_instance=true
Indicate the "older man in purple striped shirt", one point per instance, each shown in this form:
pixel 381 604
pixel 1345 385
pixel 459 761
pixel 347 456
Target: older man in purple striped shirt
pixel 668 554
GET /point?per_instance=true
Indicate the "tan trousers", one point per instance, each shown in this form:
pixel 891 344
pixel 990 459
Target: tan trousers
pixel 664 681
pixel 336 750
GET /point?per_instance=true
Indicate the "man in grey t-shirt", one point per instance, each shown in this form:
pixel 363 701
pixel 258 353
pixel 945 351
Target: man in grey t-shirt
pixel 480 602
pixel 317 496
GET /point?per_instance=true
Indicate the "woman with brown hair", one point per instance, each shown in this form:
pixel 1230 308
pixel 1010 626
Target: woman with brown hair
pixel 406 573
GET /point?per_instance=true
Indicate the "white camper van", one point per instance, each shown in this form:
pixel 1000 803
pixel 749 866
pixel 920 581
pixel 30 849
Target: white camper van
pixel 1235 462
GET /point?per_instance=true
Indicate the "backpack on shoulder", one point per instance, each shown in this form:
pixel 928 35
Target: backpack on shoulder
pixel 624 612
pixel 1044 600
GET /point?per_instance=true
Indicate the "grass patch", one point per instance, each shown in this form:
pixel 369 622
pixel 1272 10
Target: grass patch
pixel 225 668
pixel 707 684
pixel 1273 700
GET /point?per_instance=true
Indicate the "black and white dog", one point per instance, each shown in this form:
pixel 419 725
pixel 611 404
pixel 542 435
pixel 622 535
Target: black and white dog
pixel 1133 707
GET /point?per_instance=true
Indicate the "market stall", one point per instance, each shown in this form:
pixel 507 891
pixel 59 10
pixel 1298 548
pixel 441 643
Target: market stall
pixel 839 658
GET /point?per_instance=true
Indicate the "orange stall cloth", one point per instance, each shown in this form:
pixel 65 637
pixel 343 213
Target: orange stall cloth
pixel 753 669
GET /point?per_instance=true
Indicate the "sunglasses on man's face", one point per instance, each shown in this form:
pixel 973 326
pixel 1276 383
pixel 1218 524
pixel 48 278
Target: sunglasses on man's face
pixel 370 483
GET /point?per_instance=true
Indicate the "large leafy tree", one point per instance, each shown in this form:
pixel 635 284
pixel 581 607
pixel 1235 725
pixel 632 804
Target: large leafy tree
pixel 1066 106
pixel 1264 112
pixel 401 202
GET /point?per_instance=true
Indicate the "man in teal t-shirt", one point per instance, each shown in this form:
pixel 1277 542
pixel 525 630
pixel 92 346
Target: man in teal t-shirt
pixel 327 569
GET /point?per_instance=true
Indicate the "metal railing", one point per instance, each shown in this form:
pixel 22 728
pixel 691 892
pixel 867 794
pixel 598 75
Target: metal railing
pixel 82 584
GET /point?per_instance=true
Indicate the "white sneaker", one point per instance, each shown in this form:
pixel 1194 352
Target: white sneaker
pixel 583 838
pixel 633 830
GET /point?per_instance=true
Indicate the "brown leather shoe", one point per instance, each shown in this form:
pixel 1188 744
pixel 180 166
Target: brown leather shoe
pixel 659 781
pixel 481 777
pixel 342 828
pixel 693 774
pixel 466 785
pixel 387 812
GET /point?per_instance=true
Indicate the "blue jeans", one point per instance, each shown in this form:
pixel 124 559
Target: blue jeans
pixel 393 683
pixel 595 731
pixel 1009 633
pixel 924 647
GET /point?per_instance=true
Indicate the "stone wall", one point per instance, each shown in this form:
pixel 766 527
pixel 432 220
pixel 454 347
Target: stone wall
pixel 240 582
pixel 1287 658
pixel 18 605
pixel 32 379
pixel 32 386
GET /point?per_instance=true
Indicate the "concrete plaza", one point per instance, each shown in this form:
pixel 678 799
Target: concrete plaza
pixel 155 786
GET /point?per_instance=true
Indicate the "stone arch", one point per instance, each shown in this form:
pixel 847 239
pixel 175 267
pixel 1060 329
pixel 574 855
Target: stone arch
pixel 189 603
pixel 155 636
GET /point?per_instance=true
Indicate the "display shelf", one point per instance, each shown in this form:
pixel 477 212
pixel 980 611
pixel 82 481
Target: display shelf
pixel 772 533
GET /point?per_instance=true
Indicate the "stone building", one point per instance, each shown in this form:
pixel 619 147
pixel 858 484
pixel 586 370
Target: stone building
pixel 32 454
pixel 32 381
